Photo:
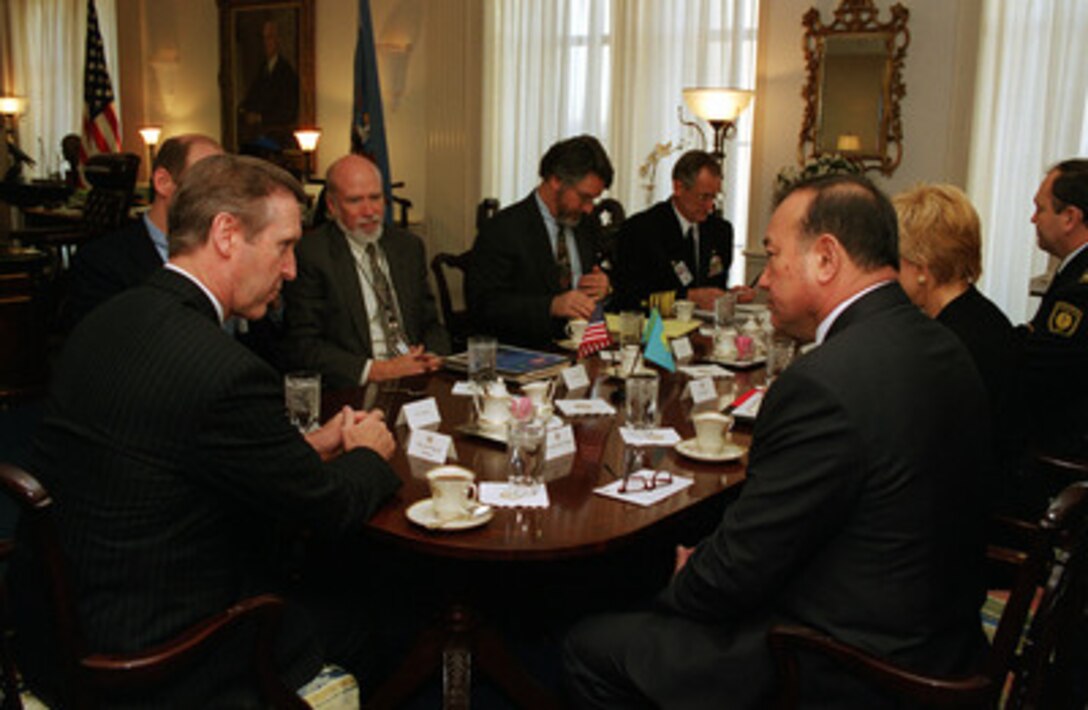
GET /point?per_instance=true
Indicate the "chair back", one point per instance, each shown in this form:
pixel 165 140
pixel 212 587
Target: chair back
pixel 88 677
pixel 1051 658
pixel 608 215
pixel 488 208
pixel 457 321
pixel 113 179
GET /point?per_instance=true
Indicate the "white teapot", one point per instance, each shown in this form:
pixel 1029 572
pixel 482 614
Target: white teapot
pixel 492 405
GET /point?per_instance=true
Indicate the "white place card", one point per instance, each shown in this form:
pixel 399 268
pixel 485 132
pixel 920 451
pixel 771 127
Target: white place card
pixel 421 414
pixel 609 356
pixel 703 390
pixel 560 442
pixel 464 388
pixel 575 378
pixel 431 446
pixel 698 371
pixel 643 497
pixel 681 348
pixel 503 495
pixel 584 407
pixel 662 436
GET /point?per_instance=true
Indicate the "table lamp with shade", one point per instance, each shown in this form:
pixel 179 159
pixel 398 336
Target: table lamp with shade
pixel 307 142
pixel 10 108
pixel 150 136
pixel 719 107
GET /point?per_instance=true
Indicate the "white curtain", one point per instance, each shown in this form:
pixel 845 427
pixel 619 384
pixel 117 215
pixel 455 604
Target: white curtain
pixel 1030 112
pixel 615 69
pixel 47 40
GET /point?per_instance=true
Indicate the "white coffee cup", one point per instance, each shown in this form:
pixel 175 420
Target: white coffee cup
pixel 453 492
pixel 577 328
pixel 684 310
pixel 710 431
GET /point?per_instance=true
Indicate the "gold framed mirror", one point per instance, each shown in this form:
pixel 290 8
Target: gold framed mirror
pixel 853 86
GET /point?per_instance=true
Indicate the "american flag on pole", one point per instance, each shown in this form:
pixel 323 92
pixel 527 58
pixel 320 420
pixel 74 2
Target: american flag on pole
pixel 596 336
pixel 101 131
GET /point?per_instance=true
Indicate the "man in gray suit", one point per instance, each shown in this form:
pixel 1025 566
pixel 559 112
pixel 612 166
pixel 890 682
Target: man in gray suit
pixel 361 308
pixel 861 513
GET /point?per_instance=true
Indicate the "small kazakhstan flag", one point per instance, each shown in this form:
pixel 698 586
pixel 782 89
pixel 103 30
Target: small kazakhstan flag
pixel 657 348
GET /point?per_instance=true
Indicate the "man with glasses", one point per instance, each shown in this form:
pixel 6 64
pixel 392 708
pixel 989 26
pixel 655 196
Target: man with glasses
pixel 679 245
pixel 861 514
pixel 535 264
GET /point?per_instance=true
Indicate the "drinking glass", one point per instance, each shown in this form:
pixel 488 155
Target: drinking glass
pixel 725 307
pixel 525 455
pixel 302 396
pixel 640 405
pixel 779 355
pixel 630 328
pixel 482 355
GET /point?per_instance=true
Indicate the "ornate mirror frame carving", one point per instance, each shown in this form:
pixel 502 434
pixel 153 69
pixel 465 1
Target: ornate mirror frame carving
pixel 854 84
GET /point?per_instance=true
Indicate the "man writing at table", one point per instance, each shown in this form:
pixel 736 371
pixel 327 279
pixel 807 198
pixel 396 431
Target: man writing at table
pixel 860 515
pixel 361 309
pixel 171 461
pixel 534 264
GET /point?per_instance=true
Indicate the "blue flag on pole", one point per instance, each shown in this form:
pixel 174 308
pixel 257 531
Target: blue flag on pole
pixel 657 347
pixel 368 120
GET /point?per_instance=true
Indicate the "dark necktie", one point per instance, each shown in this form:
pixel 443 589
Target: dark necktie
pixel 387 316
pixel 562 259
pixel 689 255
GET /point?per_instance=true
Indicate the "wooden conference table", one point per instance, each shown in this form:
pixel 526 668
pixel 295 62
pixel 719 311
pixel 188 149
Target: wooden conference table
pixel 578 528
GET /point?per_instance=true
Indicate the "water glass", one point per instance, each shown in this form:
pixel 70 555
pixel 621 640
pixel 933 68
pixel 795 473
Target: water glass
pixel 482 355
pixel 640 404
pixel 525 440
pixel 302 396
pixel 725 308
pixel 780 351
pixel 630 328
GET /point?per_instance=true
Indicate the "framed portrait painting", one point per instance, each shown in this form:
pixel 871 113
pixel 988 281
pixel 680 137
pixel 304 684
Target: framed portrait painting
pixel 266 73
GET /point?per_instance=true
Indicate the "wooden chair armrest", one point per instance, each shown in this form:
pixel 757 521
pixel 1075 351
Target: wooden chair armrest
pixel 786 640
pixel 140 670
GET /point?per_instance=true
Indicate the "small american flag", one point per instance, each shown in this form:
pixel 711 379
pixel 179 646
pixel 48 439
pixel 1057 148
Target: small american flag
pixel 596 336
pixel 101 131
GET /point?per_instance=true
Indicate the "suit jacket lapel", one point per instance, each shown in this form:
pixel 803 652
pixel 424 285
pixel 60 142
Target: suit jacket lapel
pixel 539 246
pixel 346 276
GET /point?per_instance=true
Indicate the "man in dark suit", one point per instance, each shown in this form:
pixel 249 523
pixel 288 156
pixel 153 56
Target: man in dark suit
pixel 678 245
pixel 170 459
pixel 535 264
pixel 860 515
pixel 125 258
pixel 1054 346
pixel 361 308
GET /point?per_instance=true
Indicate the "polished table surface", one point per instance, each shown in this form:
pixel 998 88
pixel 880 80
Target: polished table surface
pixel 580 535
pixel 578 522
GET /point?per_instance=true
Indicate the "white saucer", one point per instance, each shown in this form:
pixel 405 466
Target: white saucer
pixel 422 513
pixel 756 361
pixel 568 343
pixel 729 452
pixel 620 374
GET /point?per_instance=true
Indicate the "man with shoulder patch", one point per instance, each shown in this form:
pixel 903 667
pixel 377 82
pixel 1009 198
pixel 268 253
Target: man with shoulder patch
pixel 1054 345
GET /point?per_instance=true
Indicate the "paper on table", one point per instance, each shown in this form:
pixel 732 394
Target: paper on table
pixel 673 328
pixel 699 371
pixel 645 498
pixel 584 407
pixel 500 495
pixel 464 388
pixel 746 406
pixel 665 436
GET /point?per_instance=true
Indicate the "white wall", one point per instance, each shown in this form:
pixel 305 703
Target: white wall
pixel 939 76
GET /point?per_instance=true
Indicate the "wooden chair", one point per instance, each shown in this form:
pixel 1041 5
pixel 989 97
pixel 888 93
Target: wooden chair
pixel 89 678
pixel 457 321
pixel 1053 562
